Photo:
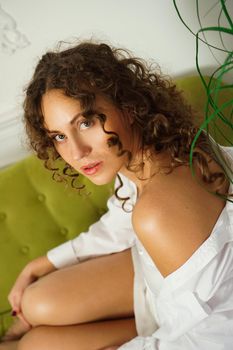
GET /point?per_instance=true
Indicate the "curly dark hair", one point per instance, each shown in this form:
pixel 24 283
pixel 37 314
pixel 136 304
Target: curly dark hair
pixel 162 117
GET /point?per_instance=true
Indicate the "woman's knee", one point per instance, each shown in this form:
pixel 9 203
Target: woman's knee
pixel 100 288
pixel 36 305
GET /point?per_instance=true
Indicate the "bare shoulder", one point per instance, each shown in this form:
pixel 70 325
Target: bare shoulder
pixel 173 217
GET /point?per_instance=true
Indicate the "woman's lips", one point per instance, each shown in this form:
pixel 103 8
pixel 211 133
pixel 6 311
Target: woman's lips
pixel 91 169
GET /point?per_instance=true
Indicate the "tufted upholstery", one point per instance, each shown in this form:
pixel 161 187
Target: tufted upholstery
pixel 37 213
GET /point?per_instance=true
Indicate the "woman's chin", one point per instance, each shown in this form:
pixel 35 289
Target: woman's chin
pixel 101 180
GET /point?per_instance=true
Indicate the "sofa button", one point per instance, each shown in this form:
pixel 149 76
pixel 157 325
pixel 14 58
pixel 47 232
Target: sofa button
pixel 41 197
pixel 63 231
pixel 2 216
pixel 24 249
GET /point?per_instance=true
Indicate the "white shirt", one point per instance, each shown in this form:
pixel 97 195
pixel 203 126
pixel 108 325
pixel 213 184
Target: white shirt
pixel 111 234
pixel 192 308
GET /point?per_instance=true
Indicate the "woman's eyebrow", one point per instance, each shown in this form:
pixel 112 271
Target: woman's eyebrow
pixel 73 120
pixel 77 116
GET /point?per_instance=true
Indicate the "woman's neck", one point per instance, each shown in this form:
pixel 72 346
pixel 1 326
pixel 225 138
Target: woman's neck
pixel 151 165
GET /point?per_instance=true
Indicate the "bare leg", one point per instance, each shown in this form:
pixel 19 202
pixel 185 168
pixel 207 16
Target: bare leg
pixel 16 331
pixel 9 345
pixel 97 289
pixel 89 336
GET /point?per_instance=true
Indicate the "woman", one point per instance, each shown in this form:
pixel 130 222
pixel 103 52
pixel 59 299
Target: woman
pixel 156 271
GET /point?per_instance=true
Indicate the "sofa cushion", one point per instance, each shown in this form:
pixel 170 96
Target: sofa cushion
pixel 36 214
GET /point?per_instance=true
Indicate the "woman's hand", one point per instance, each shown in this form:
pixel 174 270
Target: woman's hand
pixel 32 271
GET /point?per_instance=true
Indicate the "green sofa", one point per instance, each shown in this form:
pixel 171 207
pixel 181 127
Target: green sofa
pixel 37 213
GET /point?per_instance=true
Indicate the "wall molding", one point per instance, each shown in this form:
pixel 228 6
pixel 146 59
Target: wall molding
pixel 12 136
pixel 11 39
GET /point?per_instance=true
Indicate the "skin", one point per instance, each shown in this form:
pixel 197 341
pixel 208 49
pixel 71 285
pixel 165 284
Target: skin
pixel 80 142
pixel 75 308
pixel 169 245
pixel 82 299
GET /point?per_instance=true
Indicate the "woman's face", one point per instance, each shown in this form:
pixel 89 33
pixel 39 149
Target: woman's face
pixel 83 143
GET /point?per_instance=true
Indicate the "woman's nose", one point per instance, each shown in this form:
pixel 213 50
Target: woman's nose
pixel 79 150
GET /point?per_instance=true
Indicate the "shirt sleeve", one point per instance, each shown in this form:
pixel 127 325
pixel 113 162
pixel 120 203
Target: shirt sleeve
pixel 112 233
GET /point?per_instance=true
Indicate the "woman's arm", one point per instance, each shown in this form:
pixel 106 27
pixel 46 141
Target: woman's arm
pixel 112 233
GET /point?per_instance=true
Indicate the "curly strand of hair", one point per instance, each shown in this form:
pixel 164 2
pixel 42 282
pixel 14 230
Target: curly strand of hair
pixel 88 69
pixel 115 141
pixel 207 176
pixel 68 168
pixel 58 177
pixel 79 188
pixel 74 176
pixel 48 165
pixel 123 199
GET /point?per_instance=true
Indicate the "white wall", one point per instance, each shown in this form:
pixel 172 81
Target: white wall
pixel 149 28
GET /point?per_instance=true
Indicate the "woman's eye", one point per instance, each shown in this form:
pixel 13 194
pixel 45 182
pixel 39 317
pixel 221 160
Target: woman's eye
pixel 85 124
pixel 59 137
